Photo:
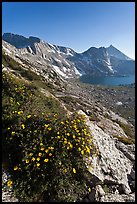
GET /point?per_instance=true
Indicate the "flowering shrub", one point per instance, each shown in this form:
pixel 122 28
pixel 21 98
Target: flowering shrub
pixel 43 149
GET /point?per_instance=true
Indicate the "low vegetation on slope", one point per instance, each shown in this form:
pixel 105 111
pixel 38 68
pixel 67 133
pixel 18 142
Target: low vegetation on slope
pixel 43 148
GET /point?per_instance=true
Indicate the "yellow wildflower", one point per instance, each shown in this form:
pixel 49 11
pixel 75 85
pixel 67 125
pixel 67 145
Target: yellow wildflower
pixel 65 170
pixel 78 140
pixel 58 137
pixel 41 144
pixel 33 159
pixel 68 134
pixel 57 133
pixel 49 128
pixel 88 150
pixel 9 183
pixel 30 154
pixel 35 130
pixel 38 158
pixel 38 164
pixel 50 154
pixel 46 125
pixel 8 128
pixel 23 126
pixel 19 112
pixel 46 160
pixel 62 122
pixel 28 116
pixel 51 147
pixel 89 189
pixel 79 149
pixel 42 148
pixel 74 136
pixel 46 150
pixel 71 145
pixel 13 133
pixel 65 142
pixel 40 154
pixel 16 168
pixel 27 161
pixel 74 170
pixel 82 152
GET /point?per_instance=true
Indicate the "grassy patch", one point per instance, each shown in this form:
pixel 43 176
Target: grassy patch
pixel 9 62
pixel 125 140
pixel 126 128
pixel 105 188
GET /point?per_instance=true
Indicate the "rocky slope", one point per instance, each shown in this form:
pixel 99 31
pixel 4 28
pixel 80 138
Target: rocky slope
pixel 112 171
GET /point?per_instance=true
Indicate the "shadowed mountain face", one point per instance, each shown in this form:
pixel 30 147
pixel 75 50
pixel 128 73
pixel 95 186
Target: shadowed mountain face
pixel 20 41
pixel 94 61
pixel 112 51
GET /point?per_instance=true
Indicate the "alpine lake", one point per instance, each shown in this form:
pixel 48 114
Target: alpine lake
pixel 108 80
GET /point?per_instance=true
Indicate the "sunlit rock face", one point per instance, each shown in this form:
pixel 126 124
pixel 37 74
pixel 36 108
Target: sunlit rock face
pixel 94 61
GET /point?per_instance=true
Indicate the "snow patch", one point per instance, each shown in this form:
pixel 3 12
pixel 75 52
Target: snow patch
pixel 68 52
pixel 57 60
pixel 64 69
pixel 119 103
pixel 51 45
pixel 50 51
pixel 57 69
pixel 66 62
pixel 77 72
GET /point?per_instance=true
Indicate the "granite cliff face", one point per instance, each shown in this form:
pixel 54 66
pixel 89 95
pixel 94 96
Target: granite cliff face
pixel 112 171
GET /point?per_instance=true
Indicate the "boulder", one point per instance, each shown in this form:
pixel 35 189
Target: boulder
pixel 112 165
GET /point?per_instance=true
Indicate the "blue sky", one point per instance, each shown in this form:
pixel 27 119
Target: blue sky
pixel 78 25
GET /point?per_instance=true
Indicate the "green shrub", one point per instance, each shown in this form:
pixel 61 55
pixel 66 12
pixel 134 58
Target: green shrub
pixel 43 147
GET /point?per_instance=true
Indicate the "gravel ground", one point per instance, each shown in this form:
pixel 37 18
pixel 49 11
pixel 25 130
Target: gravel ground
pixel 7 191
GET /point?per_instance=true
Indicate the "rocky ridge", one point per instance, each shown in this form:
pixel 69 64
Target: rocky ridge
pixel 67 62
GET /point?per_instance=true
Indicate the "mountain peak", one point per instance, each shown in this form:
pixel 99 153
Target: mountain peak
pixel 111 45
pixel 114 52
pixel 19 41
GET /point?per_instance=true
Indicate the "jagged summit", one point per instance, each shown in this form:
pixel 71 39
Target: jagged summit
pixel 114 52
